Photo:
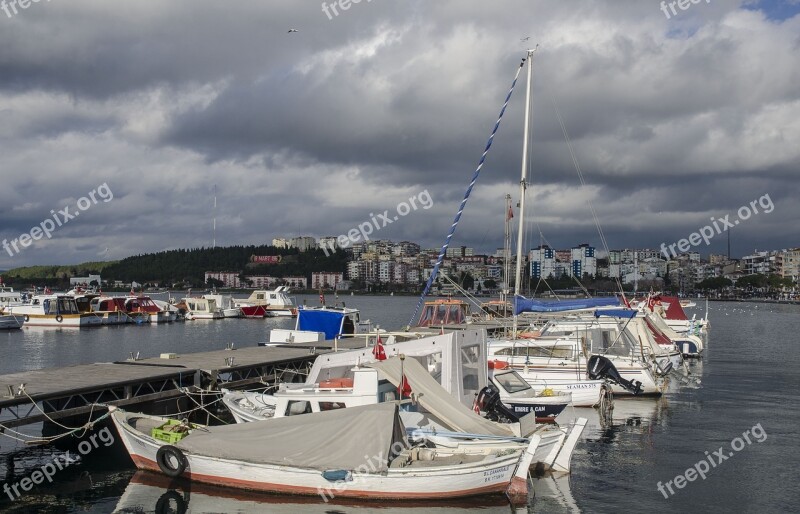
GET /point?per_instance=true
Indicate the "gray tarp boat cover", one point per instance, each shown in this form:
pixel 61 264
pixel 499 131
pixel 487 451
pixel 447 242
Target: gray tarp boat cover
pixel 436 400
pixel 336 439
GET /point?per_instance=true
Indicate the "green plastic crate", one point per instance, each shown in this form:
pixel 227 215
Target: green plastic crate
pixel 166 432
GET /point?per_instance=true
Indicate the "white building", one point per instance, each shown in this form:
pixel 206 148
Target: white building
pixel 303 243
pixel 326 279
pixel 543 262
pixel 583 261
pixel 228 278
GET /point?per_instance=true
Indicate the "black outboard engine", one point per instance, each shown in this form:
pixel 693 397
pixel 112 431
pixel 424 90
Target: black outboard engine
pixel 488 401
pixel 600 367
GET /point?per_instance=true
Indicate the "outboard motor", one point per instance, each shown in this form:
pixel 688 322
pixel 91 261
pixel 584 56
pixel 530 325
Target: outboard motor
pixel 488 401
pixel 600 367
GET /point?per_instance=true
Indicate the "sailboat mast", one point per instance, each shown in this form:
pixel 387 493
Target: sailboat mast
pixel 523 183
pixel 214 240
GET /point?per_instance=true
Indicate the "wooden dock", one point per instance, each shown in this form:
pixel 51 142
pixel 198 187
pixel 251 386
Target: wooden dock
pixel 50 394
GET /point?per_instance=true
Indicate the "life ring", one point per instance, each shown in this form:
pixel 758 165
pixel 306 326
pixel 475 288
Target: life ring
pixel 171 501
pixel 59 318
pixel 27 318
pixel 171 461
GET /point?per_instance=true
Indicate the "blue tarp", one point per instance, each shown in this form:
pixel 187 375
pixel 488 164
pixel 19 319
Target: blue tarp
pixel 616 313
pixel 329 322
pixel 522 304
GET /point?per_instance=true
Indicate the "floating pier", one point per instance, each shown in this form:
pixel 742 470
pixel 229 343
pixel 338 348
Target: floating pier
pixel 50 394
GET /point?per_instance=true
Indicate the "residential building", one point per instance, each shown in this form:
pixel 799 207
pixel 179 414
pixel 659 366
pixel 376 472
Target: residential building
pixel 543 262
pixel 790 264
pixel 303 243
pixel 326 279
pixel 583 261
pixel 228 278
pixel 757 262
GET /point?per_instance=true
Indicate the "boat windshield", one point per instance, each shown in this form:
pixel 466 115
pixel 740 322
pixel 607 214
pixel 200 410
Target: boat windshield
pixel 511 382
pixel 442 314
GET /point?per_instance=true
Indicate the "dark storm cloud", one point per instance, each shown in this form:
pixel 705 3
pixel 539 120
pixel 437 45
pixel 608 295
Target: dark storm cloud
pixel 672 121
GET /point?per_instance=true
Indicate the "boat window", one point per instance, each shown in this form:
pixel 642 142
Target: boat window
pixel 456 315
pixel 550 352
pixel 511 382
pixel 298 407
pixel 260 296
pixel 67 306
pixel 273 296
pixel 426 318
pixel 470 360
pixel 323 406
pixel 434 366
pixel 46 307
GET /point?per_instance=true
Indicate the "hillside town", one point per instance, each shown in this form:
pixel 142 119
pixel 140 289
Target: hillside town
pixel 405 265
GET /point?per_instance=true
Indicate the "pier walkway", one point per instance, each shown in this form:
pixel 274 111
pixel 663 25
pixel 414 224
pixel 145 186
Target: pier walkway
pixel 35 396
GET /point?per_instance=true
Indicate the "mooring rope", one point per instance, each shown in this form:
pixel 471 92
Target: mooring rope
pixel 464 201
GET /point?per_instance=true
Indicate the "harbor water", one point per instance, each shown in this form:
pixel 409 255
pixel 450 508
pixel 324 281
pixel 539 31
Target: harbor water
pixel 737 426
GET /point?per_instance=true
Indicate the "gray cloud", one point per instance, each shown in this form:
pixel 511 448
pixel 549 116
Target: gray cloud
pixel 672 121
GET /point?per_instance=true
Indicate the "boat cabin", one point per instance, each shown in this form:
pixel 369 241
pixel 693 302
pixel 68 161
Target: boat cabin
pixel 443 312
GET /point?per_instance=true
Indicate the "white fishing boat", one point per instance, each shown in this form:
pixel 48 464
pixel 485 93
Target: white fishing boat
pixel 360 452
pixel 518 395
pixel 11 321
pixel 200 308
pixel 226 303
pixel 9 297
pixel 264 302
pixel 562 361
pixel 55 310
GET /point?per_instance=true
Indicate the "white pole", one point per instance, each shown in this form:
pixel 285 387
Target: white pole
pixel 523 183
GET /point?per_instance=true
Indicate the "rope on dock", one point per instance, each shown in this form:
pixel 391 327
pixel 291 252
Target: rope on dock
pixel 34 440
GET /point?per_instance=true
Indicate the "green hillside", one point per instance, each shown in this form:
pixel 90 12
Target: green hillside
pixel 184 267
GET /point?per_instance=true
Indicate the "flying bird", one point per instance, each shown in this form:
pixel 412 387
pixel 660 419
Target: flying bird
pixel 525 39
pixel 292 30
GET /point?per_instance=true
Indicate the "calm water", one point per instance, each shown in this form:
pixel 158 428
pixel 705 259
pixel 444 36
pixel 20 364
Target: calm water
pixel 748 378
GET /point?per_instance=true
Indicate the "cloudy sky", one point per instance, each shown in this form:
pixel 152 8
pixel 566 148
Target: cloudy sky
pixel 673 121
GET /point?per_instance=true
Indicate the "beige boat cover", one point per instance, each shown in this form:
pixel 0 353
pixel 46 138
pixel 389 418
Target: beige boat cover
pixel 436 400
pixel 342 439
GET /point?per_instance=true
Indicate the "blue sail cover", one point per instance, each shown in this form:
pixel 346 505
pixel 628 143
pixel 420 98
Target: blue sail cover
pixel 616 313
pixel 329 322
pixel 522 304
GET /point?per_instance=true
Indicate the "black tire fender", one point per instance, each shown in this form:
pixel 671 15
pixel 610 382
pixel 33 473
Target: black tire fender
pixel 59 318
pixel 171 461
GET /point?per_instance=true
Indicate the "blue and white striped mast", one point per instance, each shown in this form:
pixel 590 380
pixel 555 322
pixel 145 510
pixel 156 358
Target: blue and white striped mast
pixel 475 176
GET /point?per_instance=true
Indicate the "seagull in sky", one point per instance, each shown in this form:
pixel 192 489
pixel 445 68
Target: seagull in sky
pixel 525 39
pixel 292 30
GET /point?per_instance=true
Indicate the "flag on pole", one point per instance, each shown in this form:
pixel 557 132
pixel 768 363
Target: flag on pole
pixel 510 214
pixel 405 388
pixel 378 351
